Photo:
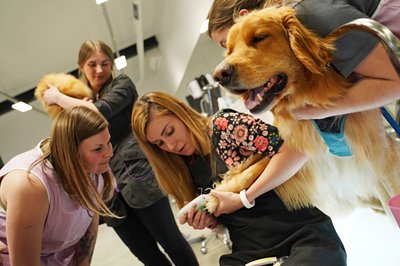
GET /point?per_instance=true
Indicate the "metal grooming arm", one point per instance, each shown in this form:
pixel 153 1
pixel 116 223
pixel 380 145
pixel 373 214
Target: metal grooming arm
pixel 389 42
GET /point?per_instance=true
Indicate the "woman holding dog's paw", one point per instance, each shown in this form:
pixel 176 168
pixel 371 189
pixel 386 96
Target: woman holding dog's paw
pixel 148 218
pixel 357 53
pixel 186 151
pixel 51 196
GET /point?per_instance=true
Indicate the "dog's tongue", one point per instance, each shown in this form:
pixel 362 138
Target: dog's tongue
pixel 252 101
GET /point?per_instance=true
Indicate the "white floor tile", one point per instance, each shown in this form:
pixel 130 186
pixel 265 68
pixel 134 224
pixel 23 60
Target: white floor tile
pixel 370 239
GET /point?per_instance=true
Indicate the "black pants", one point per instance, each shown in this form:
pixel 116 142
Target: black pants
pixel 144 228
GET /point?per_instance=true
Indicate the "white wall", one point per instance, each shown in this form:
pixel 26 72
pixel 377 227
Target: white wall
pixel 204 59
pixel 22 131
pixel 176 22
pixel 181 22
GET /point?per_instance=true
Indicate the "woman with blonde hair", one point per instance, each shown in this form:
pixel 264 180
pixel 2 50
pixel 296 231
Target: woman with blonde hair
pixel 188 152
pixel 180 186
pixel 51 196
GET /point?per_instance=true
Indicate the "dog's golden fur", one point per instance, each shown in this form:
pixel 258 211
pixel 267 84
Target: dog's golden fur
pixel 272 41
pixel 67 84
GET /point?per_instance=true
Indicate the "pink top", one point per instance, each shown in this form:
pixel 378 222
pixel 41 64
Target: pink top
pixel 387 14
pixel 66 220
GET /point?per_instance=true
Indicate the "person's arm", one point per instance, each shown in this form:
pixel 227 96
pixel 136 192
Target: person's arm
pixel 282 166
pixel 27 206
pixel 241 133
pixel 54 96
pixel 379 85
pixel 85 247
pixel 121 94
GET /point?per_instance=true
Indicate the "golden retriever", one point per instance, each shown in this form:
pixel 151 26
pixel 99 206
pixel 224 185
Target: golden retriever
pixel 277 64
pixel 67 84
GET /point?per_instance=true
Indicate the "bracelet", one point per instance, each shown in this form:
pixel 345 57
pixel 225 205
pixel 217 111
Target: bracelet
pixel 245 201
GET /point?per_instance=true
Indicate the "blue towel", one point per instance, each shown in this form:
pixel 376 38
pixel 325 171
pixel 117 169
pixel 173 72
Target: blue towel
pixel 333 135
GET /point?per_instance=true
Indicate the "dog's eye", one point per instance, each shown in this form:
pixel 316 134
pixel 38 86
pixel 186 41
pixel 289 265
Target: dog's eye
pixel 257 39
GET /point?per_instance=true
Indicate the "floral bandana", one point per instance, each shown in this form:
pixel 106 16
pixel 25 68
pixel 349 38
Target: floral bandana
pixel 236 136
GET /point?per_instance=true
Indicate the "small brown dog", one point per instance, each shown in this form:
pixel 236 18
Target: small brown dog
pixel 67 84
pixel 276 64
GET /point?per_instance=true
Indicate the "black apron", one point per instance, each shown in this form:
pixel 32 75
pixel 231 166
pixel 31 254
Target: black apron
pixel 306 236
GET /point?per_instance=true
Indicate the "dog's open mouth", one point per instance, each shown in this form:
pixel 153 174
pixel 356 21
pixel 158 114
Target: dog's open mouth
pixel 261 97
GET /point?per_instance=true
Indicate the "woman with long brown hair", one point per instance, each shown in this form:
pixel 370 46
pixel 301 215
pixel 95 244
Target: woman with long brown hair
pixel 51 196
pixel 148 218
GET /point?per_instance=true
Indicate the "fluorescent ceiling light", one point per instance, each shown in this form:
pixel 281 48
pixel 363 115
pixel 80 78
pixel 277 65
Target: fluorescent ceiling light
pixel 204 26
pixel 21 106
pixel 99 2
pixel 120 62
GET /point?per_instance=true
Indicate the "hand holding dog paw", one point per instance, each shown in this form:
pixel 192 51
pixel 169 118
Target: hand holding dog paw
pixel 51 94
pixel 228 202
pixel 197 218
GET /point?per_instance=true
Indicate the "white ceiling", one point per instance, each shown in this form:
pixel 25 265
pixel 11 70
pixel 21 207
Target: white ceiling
pixel 43 36
pixel 38 37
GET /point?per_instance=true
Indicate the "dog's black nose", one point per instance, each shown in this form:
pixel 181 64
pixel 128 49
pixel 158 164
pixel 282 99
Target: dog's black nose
pixel 223 73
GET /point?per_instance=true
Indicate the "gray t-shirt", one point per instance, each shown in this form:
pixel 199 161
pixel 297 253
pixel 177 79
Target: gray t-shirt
pixel 324 16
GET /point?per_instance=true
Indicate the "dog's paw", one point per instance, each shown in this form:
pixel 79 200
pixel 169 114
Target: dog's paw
pixel 212 204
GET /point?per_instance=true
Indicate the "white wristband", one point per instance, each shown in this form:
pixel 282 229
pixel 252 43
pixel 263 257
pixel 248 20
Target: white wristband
pixel 245 201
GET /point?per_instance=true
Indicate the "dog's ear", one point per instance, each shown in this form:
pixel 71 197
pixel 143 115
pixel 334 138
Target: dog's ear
pixel 311 50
